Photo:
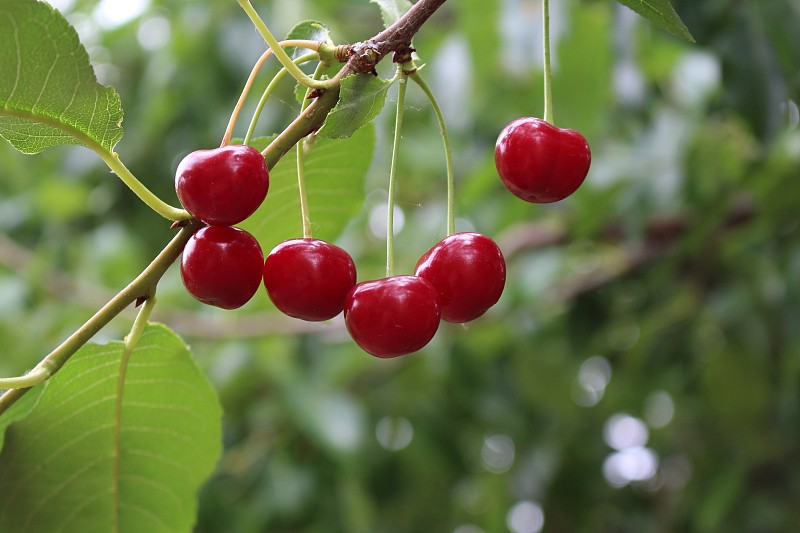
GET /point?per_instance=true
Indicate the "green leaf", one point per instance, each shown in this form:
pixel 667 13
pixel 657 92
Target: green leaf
pixel 361 98
pixel 391 10
pixel 48 91
pixel 60 469
pixel 335 170
pixel 309 30
pixel 662 14
pixel 19 410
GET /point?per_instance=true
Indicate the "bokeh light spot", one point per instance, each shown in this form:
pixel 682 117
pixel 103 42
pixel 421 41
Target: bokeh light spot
pixel 592 380
pixel 111 14
pixel 154 33
pixel 623 431
pixel 525 517
pixel 659 409
pixel 631 464
pixel 497 453
pixel 394 433
pixel 377 220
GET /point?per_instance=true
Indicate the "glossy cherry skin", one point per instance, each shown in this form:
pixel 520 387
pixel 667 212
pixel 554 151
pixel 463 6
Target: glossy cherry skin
pixel 222 186
pixel 309 278
pixel 469 273
pixel 392 316
pixel 222 266
pixel 539 162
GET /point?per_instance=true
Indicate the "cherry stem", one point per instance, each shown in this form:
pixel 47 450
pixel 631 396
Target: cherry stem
pixel 312 45
pixel 398 124
pixel 267 92
pixel 548 88
pixel 282 56
pixel 301 174
pixel 301 188
pixel 448 151
pixel 138 188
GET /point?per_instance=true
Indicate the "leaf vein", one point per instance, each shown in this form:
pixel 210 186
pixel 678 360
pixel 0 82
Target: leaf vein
pixel 149 514
pixel 158 457
pixel 58 488
pixel 166 489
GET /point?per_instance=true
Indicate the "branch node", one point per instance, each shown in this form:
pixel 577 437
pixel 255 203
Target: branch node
pixel 403 54
pixel 179 224
pixel 365 56
pixel 343 53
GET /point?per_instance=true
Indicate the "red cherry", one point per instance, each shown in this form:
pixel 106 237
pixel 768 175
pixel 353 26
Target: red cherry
pixel 309 278
pixel 539 162
pixel 222 186
pixel 392 316
pixel 222 266
pixel 469 272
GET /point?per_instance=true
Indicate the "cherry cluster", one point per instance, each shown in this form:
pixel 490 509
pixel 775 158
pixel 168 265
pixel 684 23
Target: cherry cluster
pixel 457 280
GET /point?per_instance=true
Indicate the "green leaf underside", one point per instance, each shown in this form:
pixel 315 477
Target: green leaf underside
pixel 19 410
pixel 309 30
pixel 391 10
pixel 48 91
pixel 361 98
pixel 662 14
pixel 335 170
pixel 57 470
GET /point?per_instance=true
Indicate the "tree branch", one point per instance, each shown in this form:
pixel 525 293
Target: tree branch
pixel 362 58
pixel 398 36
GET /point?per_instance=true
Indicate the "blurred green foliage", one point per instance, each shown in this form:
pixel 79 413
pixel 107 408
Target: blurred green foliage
pixel 661 317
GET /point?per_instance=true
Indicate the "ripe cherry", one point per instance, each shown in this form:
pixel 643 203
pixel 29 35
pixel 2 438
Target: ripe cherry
pixel 469 272
pixel 309 278
pixel 539 162
pixel 392 316
pixel 222 266
pixel 222 186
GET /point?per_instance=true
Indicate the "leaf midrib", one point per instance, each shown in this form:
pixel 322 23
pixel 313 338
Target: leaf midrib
pixel 85 139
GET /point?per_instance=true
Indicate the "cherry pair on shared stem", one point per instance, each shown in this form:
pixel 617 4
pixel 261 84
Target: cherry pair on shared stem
pixel 222 265
pixel 539 162
pixel 457 280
